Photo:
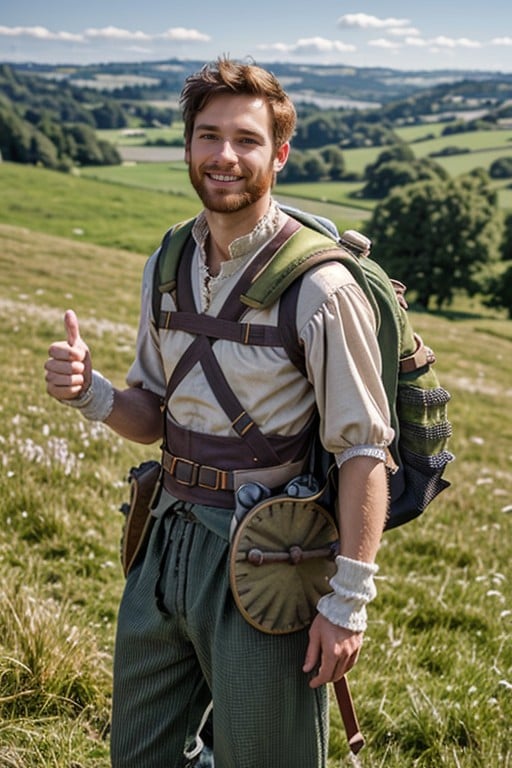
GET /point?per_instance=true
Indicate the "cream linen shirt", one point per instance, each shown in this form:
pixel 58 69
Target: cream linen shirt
pixel 336 325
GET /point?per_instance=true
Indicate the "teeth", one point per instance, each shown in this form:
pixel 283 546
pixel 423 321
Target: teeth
pixel 218 177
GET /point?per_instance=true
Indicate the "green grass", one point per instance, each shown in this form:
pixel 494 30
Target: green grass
pixel 83 209
pixel 433 684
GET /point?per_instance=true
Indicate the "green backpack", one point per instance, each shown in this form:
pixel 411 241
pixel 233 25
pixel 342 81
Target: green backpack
pixel 418 404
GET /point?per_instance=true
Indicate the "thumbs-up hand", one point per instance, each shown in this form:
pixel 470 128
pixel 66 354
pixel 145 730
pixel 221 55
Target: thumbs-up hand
pixel 68 368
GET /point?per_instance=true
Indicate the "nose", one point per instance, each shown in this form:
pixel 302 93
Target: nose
pixel 226 151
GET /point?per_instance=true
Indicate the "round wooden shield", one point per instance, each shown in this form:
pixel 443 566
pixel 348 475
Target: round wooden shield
pixel 282 557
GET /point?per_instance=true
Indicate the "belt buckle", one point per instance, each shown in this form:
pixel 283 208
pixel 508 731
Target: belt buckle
pixel 194 468
pixel 217 473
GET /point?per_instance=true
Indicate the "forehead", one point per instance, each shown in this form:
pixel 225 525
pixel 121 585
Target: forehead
pixel 236 112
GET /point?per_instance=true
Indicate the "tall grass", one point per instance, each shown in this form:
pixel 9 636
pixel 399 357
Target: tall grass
pixel 433 686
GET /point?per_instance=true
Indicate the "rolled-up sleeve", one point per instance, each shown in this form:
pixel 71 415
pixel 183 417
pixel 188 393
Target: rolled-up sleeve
pixel 344 366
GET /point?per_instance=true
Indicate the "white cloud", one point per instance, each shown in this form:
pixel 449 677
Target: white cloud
pixel 417 42
pixel 384 43
pixel 185 35
pixel 451 42
pixel 435 43
pixel 403 31
pixel 111 33
pixel 40 33
pixel 365 21
pixel 311 45
pixel 501 41
pixel 115 33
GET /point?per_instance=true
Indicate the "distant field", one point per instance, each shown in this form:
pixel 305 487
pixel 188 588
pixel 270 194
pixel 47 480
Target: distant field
pixel 135 137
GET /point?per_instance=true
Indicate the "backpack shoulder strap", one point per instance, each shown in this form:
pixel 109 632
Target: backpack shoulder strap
pixel 168 258
pixel 305 249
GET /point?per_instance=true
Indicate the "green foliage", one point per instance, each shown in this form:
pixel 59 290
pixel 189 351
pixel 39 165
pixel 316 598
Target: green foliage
pixel 501 168
pixel 440 233
pixel 347 129
pixel 20 142
pixel 44 125
pixel 109 114
pixel 499 290
pixel 396 167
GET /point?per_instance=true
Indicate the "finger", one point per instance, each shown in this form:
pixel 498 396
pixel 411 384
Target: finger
pixel 72 327
pixel 312 657
pixel 60 350
pixel 63 365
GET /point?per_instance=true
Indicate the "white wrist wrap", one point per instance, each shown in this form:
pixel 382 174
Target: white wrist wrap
pixel 354 588
pixel 97 401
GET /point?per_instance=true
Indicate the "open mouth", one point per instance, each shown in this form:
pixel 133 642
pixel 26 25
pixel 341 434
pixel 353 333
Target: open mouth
pixel 223 177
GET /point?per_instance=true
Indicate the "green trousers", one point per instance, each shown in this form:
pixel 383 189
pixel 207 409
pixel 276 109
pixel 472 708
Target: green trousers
pixel 182 642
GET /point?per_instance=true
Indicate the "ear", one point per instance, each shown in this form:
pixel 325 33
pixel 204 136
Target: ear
pixel 187 152
pixel 281 156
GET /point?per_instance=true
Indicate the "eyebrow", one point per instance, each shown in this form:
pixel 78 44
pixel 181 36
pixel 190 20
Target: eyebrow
pixel 217 129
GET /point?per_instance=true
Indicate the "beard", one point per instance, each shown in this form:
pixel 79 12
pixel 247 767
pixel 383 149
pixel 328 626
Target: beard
pixel 225 201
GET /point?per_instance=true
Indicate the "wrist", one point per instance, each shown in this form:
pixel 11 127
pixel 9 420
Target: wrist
pixel 353 588
pixel 97 401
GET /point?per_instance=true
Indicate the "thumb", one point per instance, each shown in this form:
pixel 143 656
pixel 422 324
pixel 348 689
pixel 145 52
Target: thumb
pixel 72 327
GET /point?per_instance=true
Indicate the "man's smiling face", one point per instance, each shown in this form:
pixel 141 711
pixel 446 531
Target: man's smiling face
pixel 231 157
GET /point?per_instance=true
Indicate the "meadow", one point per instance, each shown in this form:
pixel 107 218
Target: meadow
pixel 433 686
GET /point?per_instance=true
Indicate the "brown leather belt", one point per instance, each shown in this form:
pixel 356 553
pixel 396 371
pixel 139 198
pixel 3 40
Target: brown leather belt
pixel 191 474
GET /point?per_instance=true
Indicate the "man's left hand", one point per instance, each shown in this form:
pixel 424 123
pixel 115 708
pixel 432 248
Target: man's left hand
pixel 332 651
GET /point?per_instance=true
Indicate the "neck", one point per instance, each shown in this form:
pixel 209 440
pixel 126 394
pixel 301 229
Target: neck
pixel 227 227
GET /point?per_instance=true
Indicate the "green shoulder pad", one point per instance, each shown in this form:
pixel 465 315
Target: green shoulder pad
pixel 170 252
pixel 303 250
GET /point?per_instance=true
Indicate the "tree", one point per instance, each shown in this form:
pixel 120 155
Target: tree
pixel 501 291
pixel 21 142
pixel 315 168
pixel 88 150
pixel 440 233
pixel 499 287
pixel 293 171
pixel 397 166
pixel 335 160
pixel 109 115
pixel 501 168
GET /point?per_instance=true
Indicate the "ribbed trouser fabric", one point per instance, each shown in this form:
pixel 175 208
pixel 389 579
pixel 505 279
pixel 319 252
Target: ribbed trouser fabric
pixel 181 642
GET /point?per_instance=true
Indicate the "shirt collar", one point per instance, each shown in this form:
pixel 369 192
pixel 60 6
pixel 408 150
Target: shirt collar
pixel 246 244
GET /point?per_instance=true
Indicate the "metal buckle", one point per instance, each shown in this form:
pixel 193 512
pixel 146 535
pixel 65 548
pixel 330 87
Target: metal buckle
pixel 194 468
pixel 218 474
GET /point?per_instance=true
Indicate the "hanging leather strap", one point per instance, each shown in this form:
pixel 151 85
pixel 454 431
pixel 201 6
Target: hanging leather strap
pixel 348 715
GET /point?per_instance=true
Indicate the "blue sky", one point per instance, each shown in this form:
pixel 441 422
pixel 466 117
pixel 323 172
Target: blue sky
pixel 431 34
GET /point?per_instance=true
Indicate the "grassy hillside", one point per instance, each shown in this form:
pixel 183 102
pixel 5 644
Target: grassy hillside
pixel 433 686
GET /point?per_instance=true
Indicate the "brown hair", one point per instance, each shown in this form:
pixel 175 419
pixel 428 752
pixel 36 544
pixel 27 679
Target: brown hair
pixel 227 76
